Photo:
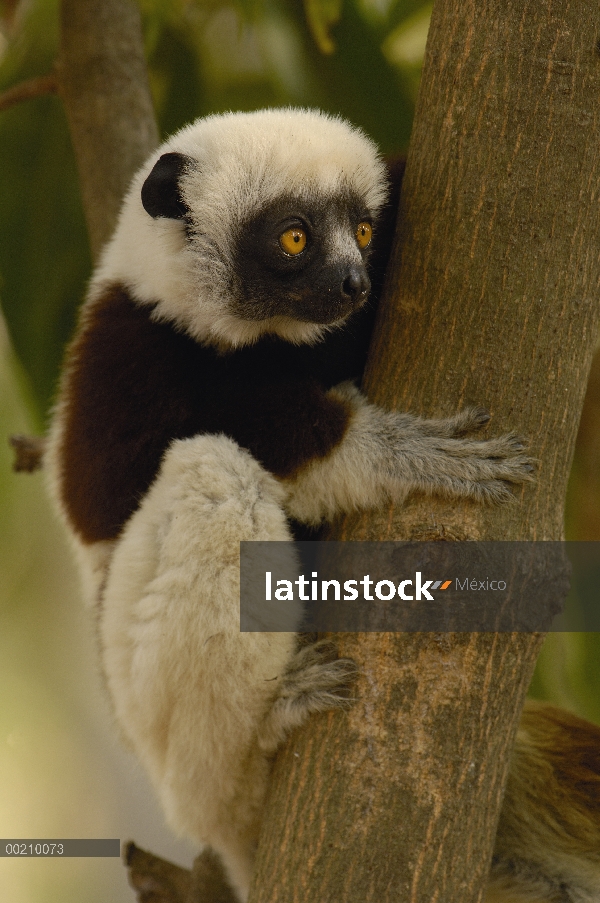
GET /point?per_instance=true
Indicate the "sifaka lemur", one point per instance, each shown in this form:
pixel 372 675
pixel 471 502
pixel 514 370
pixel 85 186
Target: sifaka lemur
pixel 208 398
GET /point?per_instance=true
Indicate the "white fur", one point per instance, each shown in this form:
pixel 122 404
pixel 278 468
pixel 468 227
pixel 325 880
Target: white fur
pixel 203 705
pixel 244 160
pixel 190 691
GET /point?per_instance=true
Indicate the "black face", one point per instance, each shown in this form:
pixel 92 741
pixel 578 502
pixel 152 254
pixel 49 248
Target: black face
pixel 303 260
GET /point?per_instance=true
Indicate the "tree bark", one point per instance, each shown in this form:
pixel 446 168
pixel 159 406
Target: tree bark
pixel 103 83
pixel 492 299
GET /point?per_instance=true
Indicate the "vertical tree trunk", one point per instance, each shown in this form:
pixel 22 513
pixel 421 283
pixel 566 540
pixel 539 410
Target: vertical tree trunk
pixel 103 83
pixel 492 299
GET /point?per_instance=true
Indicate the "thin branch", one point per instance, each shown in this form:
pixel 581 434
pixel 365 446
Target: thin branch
pixel 106 95
pixel 154 879
pixel 28 90
pixel 157 881
pixel 29 453
pixel 209 881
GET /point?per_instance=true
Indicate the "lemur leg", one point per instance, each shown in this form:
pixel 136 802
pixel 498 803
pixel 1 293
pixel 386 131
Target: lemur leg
pixel 201 703
pixel 385 455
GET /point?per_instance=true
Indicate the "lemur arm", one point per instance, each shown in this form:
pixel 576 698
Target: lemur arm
pixel 385 455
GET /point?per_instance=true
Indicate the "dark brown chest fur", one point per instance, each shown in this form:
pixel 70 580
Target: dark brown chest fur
pixel 135 385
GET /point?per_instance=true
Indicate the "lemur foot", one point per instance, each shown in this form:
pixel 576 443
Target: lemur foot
pixel 315 681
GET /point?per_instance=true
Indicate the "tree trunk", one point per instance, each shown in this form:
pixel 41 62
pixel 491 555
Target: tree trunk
pixel 492 298
pixel 103 83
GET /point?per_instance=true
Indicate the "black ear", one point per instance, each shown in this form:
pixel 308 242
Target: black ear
pixel 160 191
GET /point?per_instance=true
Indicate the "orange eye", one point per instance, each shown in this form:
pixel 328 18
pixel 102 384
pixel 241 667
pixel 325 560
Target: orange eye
pixel 364 234
pixel 293 241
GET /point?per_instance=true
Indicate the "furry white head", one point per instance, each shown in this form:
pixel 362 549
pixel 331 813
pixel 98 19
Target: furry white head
pixel 230 169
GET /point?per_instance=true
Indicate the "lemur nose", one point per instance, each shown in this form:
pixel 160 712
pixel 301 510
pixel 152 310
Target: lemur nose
pixel 356 286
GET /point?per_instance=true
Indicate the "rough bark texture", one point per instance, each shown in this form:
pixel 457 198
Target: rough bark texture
pixel 103 82
pixel 492 299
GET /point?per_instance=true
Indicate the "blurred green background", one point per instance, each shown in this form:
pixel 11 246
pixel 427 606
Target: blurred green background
pixel 62 771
